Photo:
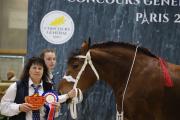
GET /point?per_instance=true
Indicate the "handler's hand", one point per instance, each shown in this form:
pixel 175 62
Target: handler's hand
pixel 25 107
pixel 72 93
pixel 57 106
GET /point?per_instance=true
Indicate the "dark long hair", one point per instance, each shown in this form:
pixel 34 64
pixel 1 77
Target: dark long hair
pixel 34 61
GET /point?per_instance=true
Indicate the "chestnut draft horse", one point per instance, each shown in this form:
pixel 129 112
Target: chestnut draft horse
pixel 147 97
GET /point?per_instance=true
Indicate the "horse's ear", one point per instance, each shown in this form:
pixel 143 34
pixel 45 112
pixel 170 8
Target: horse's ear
pixel 84 47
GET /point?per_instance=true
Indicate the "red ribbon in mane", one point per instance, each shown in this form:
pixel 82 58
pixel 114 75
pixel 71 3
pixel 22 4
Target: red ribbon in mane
pixel 167 77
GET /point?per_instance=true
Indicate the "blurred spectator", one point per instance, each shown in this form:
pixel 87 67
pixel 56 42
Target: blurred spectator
pixel 11 75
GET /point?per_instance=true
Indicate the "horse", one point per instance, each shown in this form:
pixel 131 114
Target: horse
pixel 136 76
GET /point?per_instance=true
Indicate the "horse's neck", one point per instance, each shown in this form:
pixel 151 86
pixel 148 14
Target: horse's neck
pixel 113 68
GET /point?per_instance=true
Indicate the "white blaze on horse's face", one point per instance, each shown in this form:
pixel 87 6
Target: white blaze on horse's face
pixel 69 78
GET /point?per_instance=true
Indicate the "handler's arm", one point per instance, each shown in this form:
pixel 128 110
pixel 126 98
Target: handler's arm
pixel 70 94
pixel 7 106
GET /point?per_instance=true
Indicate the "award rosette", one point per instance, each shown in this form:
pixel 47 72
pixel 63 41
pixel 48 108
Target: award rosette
pixel 50 98
pixel 36 101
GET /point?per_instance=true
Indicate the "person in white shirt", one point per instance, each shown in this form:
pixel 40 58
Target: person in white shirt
pixel 13 102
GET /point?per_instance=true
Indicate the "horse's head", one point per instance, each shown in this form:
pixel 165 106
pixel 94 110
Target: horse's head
pixel 74 66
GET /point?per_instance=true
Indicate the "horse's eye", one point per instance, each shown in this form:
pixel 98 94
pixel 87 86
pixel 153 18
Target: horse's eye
pixel 75 65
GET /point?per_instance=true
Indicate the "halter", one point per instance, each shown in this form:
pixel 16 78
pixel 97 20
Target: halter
pixel 86 61
pixel 69 78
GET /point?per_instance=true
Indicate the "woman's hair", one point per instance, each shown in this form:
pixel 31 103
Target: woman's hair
pixel 34 61
pixel 46 51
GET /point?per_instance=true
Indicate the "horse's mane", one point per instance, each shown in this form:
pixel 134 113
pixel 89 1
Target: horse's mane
pixel 109 44
pixel 122 44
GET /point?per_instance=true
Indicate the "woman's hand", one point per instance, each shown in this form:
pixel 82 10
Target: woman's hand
pixel 57 105
pixel 72 93
pixel 25 107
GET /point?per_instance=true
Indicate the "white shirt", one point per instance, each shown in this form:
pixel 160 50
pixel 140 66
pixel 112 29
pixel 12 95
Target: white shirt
pixel 9 108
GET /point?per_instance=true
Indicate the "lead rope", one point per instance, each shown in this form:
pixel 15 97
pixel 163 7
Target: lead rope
pixel 75 100
pixel 120 116
pixel 79 97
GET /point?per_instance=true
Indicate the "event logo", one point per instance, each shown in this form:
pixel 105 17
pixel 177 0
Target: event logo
pixel 57 27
